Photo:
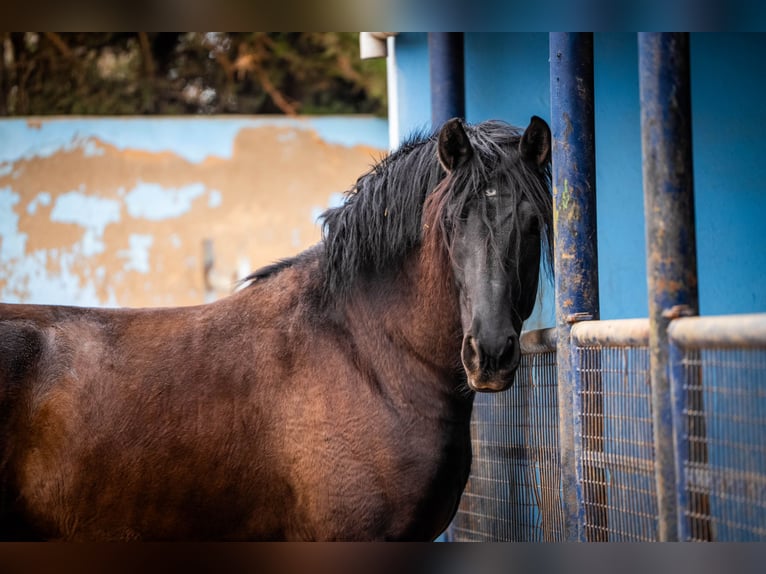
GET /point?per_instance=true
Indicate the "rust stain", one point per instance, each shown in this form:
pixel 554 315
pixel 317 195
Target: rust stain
pixel 269 191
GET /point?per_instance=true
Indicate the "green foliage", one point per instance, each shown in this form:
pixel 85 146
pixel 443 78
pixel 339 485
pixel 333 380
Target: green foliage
pixel 43 73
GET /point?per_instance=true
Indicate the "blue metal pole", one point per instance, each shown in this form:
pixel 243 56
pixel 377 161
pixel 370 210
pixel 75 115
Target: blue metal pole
pixel 670 238
pixel 576 253
pixel 445 53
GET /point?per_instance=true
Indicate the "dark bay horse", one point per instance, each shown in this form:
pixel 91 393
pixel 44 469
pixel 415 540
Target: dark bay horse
pixel 329 399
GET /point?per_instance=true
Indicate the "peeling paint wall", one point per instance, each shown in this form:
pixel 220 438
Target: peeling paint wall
pixel 125 212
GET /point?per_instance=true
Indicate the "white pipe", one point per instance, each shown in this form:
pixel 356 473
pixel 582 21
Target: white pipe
pixel 382 45
pixel 392 84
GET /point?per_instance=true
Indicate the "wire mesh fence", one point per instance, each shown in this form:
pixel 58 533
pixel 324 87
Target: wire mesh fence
pixel 614 440
pixel 513 492
pixel 719 378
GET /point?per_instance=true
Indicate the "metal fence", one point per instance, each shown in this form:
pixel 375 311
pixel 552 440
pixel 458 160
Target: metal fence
pixel 719 385
pixel 649 429
pixel 718 375
pixel 513 492
pixel 614 432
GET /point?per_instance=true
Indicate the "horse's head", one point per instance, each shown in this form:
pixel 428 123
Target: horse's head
pixel 495 235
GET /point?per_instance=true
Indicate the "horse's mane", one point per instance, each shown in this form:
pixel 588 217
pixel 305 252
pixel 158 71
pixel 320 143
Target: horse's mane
pixel 381 219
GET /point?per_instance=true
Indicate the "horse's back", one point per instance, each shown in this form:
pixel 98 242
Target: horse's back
pixel 53 359
pixel 22 342
pixel 133 423
pixel 37 343
pixel 21 349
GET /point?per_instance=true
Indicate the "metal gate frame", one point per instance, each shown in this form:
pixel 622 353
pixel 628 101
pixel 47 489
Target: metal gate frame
pixel 608 489
pixel 671 247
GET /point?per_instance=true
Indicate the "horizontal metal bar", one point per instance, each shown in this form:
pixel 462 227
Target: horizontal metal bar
pixel 727 331
pixel 732 482
pixel 722 331
pixel 612 333
pixel 618 461
pixel 520 453
pixel 538 341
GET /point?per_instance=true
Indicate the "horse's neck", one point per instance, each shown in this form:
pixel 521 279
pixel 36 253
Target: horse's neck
pixel 415 318
pixel 434 309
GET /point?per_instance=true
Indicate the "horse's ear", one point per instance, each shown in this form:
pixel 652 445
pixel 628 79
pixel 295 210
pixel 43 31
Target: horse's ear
pixel 535 144
pixel 454 146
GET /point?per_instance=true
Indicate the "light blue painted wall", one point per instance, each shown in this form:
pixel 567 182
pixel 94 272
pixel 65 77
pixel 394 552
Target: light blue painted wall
pixel 619 186
pixel 493 83
pixel 507 77
pixel 729 114
pixel 412 83
pixel 194 139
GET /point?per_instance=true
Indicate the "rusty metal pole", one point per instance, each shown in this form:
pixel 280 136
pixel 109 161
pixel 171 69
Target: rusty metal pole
pixel 576 252
pixel 671 266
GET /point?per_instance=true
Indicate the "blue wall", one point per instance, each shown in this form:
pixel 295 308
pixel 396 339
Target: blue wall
pixel 412 83
pixel 507 77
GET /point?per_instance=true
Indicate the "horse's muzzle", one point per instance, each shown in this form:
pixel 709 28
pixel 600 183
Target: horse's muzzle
pixel 490 363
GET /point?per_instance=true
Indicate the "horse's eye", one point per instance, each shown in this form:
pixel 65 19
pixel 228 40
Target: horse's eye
pixel 490 192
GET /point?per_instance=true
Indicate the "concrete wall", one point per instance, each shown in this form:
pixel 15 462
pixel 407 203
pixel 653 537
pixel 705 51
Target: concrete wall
pixel 507 77
pixel 116 211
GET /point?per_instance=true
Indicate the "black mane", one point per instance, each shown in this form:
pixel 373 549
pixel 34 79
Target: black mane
pixel 380 221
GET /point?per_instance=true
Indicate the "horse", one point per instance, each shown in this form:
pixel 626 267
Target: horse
pixel 329 398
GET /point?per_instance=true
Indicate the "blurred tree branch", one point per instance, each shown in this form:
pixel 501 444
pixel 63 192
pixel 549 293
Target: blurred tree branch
pixel 172 73
pixel 60 45
pixel 146 54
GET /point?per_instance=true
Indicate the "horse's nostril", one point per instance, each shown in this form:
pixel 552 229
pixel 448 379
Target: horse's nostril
pixel 475 346
pixel 510 351
pixel 470 352
pixel 502 353
pixel 507 350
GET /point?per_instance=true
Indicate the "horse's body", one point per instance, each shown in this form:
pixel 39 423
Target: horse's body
pixel 324 401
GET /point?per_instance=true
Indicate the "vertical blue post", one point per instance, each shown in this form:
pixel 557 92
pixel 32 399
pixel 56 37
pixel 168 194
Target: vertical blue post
pixel 445 54
pixel 671 264
pixel 576 253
